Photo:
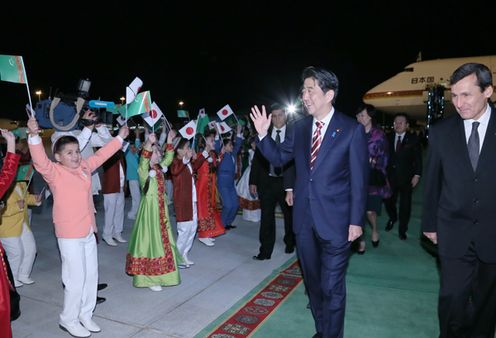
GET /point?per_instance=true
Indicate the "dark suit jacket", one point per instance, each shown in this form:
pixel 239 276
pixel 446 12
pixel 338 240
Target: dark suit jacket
pixel 289 177
pixel 406 162
pixel 460 204
pixel 260 168
pixel 333 195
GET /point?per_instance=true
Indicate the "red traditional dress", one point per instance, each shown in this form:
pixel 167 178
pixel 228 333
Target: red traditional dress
pixel 7 175
pixel 209 220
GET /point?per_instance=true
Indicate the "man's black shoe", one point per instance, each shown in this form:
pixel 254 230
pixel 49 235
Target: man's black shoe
pixel 260 257
pixel 100 300
pixel 317 335
pixel 289 249
pixel 102 286
pixel 389 225
pixel 402 236
pixel 229 227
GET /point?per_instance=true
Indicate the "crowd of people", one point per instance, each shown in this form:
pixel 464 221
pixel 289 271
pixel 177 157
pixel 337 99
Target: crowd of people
pixel 328 172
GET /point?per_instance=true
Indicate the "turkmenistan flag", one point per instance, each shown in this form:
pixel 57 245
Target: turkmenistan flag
pixel 182 113
pixel 142 104
pixel 12 69
pixel 117 109
pixel 24 172
pixel 202 122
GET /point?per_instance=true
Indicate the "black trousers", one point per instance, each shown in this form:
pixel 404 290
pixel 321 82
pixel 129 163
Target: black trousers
pixel 271 194
pixel 467 297
pixel 404 194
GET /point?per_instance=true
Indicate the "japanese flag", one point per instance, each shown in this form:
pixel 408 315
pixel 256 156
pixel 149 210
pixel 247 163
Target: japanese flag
pixel 211 125
pixel 225 112
pixel 153 116
pixel 189 130
pixel 223 127
pixel 133 89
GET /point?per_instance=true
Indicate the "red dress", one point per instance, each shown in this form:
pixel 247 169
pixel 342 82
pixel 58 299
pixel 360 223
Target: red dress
pixel 7 175
pixel 209 220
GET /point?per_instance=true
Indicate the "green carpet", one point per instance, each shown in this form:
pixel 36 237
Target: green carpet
pixel 392 291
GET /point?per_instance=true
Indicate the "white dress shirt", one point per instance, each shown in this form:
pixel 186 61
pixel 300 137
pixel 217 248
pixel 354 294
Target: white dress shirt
pixel 484 122
pixel 326 121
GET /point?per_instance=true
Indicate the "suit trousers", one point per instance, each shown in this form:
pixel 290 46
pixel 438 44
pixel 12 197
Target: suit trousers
pixel 271 194
pixel 324 268
pixel 467 297
pixel 80 277
pixel 21 252
pixel 114 213
pixel 404 193
pixel 186 232
pixel 134 189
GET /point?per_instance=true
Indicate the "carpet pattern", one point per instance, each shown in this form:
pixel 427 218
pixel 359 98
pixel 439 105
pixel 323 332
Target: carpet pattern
pixel 250 316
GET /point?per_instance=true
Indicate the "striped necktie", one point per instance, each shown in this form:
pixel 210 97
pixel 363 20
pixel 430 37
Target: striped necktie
pixel 316 141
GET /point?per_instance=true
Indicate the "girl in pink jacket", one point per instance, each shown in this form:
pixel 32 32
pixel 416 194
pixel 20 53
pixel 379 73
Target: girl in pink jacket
pixel 69 180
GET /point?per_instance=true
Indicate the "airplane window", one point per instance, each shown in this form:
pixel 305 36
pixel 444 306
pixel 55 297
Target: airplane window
pixel 409 69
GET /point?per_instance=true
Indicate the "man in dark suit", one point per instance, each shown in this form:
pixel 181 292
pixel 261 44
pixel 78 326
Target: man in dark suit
pixel 404 170
pixel 267 181
pixel 331 163
pixel 459 206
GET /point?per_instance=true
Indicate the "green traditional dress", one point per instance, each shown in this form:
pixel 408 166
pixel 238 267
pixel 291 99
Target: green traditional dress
pixel 152 256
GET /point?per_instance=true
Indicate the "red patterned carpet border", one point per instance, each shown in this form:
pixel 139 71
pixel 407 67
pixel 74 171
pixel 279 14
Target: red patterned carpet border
pixel 256 310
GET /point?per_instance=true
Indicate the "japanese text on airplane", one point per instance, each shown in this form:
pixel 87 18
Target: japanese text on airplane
pixel 426 79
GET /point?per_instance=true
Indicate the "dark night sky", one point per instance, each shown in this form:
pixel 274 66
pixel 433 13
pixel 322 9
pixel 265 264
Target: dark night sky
pixel 243 54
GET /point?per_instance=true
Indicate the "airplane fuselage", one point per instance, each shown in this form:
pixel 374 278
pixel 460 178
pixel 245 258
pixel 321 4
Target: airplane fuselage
pixel 407 91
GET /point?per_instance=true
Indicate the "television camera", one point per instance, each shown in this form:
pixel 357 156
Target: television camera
pixel 64 111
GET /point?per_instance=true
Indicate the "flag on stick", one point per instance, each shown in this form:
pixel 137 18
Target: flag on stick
pixel 153 116
pixel 133 89
pixel 189 130
pixel 24 172
pixel 202 121
pixel 211 125
pixel 225 112
pixel 182 113
pixel 141 104
pixel 223 127
pixel 12 69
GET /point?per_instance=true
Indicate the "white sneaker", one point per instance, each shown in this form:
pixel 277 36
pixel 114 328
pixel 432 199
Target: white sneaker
pixel 119 238
pixel 109 240
pixel 133 217
pixel 207 241
pixel 90 325
pixel 76 330
pixel 155 288
pixel 183 266
pixel 17 284
pixel 212 239
pixel 26 280
pixel 188 262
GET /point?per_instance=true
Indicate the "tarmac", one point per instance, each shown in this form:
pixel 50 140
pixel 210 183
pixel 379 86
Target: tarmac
pixel 221 276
